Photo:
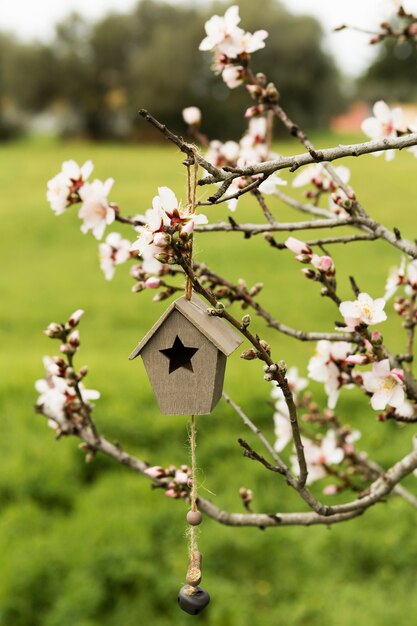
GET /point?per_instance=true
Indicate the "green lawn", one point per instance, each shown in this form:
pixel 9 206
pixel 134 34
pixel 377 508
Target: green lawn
pixel 92 545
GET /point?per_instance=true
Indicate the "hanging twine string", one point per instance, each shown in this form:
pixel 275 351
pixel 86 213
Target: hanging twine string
pixel 193 517
pixel 192 179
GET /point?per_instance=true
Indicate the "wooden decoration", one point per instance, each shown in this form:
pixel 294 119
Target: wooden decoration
pixel 184 354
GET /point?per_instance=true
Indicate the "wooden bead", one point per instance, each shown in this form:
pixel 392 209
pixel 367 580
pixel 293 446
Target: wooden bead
pixel 193 601
pixel 194 518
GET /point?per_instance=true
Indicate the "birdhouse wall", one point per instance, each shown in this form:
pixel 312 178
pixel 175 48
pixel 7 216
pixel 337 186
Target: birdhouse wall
pixel 184 391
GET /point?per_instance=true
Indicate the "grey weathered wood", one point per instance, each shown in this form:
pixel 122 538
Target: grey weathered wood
pixel 183 391
pixel 195 310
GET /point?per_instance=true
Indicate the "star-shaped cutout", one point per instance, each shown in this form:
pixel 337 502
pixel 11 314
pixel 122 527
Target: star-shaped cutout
pixel 179 356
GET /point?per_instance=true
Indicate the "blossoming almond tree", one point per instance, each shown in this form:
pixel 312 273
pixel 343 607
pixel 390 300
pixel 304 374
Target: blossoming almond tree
pixel 311 443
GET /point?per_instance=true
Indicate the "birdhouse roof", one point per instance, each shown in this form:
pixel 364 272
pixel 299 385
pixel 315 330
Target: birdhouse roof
pixel 195 311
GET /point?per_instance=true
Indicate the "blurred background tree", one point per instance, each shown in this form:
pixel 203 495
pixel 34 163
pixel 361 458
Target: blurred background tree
pixel 391 73
pixel 92 79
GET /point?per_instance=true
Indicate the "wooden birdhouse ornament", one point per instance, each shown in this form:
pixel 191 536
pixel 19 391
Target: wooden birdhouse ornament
pixel 184 354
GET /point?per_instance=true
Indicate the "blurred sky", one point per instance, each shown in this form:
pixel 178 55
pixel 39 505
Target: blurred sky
pixel 35 19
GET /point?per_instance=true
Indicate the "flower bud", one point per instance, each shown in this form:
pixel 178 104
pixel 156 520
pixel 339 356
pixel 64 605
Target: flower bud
pixel 255 91
pixel 152 282
pixel 163 257
pixel 257 109
pixel 268 376
pixel 246 320
pixel 191 116
pixel 187 229
pixel 297 246
pixel 162 240
pixel 272 93
pixel 74 319
pixel 324 264
pixel 376 338
pixel 54 331
pixel 265 346
pixel 249 354
pixel 309 273
pixel 74 339
pixel 83 371
pixel 282 366
pixel 303 258
pixel 260 79
pixel 257 288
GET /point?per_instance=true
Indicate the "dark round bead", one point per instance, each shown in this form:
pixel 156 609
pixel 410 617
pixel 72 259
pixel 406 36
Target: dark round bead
pixel 194 518
pixel 193 603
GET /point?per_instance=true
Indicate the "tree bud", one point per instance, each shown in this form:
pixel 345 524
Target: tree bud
pixel 309 273
pixel 74 319
pixel 265 346
pixel 246 320
pixel 272 93
pixel 55 331
pixel 260 79
pixel 249 354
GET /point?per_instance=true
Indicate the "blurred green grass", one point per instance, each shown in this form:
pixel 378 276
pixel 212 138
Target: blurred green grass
pixel 92 544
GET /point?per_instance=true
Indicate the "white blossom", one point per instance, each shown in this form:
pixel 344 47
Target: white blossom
pixel 385 384
pixel 323 367
pixel 364 310
pixel 319 456
pixel 70 179
pixel 96 211
pixel 316 174
pixel 233 75
pixel 112 252
pixel 385 123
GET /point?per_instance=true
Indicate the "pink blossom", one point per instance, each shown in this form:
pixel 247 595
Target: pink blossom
pixel 191 116
pixel 385 384
pixel 112 252
pixel 385 123
pixel 68 181
pixel 95 210
pixel 364 310
pixel 322 263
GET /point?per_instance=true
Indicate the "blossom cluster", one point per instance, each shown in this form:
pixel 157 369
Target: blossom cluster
pixel 231 46
pixel 252 148
pixel 319 178
pixel 304 254
pixel 178 480
pixel 63 399
pixel 70 186
pixel 320 451
pixel 167 224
